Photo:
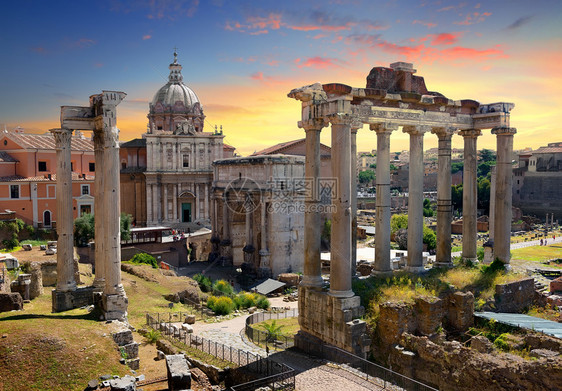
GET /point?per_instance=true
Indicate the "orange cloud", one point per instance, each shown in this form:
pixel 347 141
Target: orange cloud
pixel 475 54
pixel 318 62
pixel 445 39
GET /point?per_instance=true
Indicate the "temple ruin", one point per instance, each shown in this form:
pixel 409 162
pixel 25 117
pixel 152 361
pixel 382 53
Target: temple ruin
pixel 101 118
pixel 393 98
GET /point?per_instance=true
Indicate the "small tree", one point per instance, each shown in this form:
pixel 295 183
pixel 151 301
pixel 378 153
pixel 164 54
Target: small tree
pixel 397 222
pixel 429 238
pixel 273 330
pixel 125 221
pixel 84 229
pixel 13 228
pixel 366 176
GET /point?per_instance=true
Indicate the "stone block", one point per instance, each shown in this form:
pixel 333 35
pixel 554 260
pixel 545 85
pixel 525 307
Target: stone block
pixel 134 363
pixel 364 269
pixel 92 385
pixel 179 375
pixel 123 337
pixel 291 279
pixel 81 297
pixel 125 383
pixel 190 319
pixel 429 315
pixel 187 328
pixel 51 251
pixel 130 349
pixel 114 307
pixel 515 296
pixel 460 310
pixel 395 319
pixel 36 287
pixel 554 300
pixel 481 344
pixel 10 302
pixel 27 247
pixel 556 285
pixel 49 273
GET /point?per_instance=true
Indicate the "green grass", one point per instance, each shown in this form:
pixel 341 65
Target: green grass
pixel 538 253
pixel 289 326
pixel 34 242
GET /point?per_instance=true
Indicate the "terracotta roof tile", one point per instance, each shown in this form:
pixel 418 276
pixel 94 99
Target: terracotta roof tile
pixel 47 141
pixel 7 158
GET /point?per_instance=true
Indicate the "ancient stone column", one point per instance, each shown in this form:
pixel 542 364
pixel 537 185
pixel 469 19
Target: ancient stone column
pixel 165 201
pixel 356 125
pixel 225 226
pixel 175 202
pixel 65 221
pixel 340 262
pixel 148 205
pixel 99 280
pixel 264 252
pixel 382 237
pixel 444 201
pixel 503 196
pixel 469 194
pixel 312 277
pixel 415 198
pixel 491 217
pixel 114 299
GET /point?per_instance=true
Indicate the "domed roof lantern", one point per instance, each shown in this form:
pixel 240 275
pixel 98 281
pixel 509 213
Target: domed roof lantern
pixel 175 70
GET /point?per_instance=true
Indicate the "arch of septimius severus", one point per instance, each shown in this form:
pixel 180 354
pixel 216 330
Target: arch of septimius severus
pixel 100 117
pixel 393 98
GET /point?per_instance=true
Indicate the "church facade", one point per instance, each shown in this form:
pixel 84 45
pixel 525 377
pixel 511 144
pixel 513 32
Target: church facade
pixel 180 154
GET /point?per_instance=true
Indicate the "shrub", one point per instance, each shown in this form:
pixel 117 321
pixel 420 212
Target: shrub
pixel 224 287
pixel 222 305
pixel 245 300
pixel 263 303
pixel 501 342
pixel 144 258
pixel 152 336
pixel 12 228
pixel 204 282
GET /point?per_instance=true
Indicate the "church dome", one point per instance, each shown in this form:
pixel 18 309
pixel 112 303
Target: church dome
pixel 175 91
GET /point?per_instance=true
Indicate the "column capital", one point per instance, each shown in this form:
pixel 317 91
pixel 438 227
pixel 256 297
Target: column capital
pixel 443 132
pixel 383 127
pixel 312 124
pixel 470 133
pixel 62 137
pixel 341 119
pixel 504 131
pixel 98 138
pixel 416 129
pixel 356 124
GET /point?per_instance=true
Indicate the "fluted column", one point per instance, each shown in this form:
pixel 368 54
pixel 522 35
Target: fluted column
pixel 165 203
pixel 340 263
pixel 225 221
pixel 415 199
pixel 469 194
pixel 355 126
pixel 175 202
pixel 264 252
pixel 382 201
pixel 112 211
pixel 99 280
pixel 503 196
pixel 312 277
pixel 149 205
pixel 65 221
pixel 444 201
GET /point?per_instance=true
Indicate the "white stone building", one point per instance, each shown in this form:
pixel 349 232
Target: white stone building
pixel 179 156
pixel 258 212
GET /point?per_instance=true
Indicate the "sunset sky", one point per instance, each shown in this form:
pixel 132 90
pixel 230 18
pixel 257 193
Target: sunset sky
pixel 243 57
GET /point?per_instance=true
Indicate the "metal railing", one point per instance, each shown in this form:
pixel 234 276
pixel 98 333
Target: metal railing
pixel 261 336
pixel 368 370
pixel 273 374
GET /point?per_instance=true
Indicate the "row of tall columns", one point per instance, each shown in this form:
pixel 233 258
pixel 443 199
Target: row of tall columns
pixel 65 220
pixel 159 211
pixel 312 277
pixel 503 194
pixel 469 194
pixel 415 198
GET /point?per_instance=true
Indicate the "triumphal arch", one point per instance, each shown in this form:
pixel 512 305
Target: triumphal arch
pixel 393 99
pixel 100 117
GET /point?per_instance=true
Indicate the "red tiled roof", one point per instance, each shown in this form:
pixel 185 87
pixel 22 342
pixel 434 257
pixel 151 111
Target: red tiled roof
pixel 47 141
pixel 43 178
pixel 548 149
pixel 228 147
pixel 7 158
pixel 277 147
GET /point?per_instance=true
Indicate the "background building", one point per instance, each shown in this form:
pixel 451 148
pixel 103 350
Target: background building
pixel 28 179
pixel 537 181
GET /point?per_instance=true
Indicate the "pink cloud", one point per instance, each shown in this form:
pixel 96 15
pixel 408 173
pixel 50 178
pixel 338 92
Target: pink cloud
pixel 257 76
pixel 318 62
pixel 145 37
pixel 273 21
pixel 446 39
pixel 473 18
pixel 475 54
pixel 452 7
pixel 259 32
pixel 426 24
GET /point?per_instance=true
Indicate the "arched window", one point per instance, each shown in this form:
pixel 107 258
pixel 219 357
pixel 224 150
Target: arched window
pixel 47 218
